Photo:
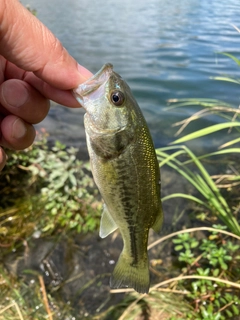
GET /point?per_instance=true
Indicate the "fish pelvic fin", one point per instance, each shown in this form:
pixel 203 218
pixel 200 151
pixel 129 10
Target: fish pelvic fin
pixel 132 276
pixel 107 224
pixel 159 221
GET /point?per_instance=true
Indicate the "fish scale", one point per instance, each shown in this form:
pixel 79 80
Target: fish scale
pixel 126 171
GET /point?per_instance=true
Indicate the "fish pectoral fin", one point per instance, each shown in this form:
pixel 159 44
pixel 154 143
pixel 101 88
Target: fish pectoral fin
pixel 107 224
pixel 158 222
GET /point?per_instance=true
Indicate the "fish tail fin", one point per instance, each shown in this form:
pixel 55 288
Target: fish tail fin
pixel 127 275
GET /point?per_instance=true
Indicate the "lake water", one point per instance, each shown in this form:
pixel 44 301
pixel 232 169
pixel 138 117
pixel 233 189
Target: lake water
pixel 164 49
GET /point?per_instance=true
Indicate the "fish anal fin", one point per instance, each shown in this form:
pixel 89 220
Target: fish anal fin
pixel 159 221
pixel 107 224
pixel 132 276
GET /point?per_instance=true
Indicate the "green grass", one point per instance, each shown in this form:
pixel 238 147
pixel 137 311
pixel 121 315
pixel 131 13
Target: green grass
pixel 209 196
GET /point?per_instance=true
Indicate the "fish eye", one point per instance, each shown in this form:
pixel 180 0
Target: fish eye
pixel 117 98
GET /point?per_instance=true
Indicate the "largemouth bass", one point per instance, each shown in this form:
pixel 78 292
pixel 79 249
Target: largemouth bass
pixel 125 170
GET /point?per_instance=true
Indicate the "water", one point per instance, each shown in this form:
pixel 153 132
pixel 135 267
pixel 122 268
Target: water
pixel 164 49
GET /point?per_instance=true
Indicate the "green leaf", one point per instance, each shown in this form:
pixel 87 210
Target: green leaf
pixel 217 316
pixel 72 179
pixel 231 56
pixel 229 143
pixel 183 195
pixel 206 131
pixel 179 247
pixel 194 244
pixel 54 211
pixel 235 310
pixel 216 272
pixel 223 265
pixel 178 240
pixel 229 313
pixel 227 79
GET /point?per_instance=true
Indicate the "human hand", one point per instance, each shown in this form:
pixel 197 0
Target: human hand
pixel 34 67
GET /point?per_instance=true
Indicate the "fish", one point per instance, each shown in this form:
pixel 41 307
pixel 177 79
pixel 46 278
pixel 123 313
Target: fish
pixel 126 171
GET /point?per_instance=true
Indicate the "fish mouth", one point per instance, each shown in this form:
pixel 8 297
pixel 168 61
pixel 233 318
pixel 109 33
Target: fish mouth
pixel 93 83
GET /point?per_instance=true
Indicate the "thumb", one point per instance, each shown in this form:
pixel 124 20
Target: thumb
pixel 26 42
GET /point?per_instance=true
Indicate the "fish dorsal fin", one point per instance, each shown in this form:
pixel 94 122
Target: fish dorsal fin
pixel 159 221
pixel 107 224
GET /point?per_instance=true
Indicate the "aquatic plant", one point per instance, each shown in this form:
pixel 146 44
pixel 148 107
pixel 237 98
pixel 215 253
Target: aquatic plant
pixel 50 190
pixel 208 286
pixel 210 197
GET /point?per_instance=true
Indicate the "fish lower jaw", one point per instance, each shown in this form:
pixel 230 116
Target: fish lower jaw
pixel 92 128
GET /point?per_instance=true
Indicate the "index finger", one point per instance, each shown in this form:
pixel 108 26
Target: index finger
pixel 26 42
pixel 63 97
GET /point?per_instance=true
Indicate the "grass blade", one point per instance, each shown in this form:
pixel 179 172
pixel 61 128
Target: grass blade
pixel 206 131
pixel 186 196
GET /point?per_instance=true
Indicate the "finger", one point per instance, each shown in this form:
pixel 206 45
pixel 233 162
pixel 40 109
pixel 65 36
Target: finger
pixel 16 133
pixel 26 42
pixel 2 159
pixel 63 97
pixel 22 100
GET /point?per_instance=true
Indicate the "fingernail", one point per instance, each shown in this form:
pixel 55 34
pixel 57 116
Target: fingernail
pixel 85 73
pixel 14 93
pixel 19 129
